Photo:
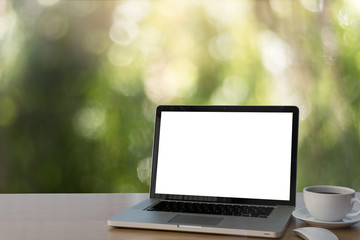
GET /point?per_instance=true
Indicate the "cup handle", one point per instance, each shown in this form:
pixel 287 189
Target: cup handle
pixel 355 213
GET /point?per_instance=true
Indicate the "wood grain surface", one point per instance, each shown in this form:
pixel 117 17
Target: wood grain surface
pixel 84 216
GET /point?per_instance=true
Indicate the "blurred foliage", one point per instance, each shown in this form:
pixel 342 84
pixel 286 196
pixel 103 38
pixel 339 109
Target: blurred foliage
pixel 80 80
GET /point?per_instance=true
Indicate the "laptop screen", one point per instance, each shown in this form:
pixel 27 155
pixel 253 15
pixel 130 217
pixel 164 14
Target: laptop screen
pixel 241 153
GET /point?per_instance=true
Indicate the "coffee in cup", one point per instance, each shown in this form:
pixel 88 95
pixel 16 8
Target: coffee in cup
pixel 330 203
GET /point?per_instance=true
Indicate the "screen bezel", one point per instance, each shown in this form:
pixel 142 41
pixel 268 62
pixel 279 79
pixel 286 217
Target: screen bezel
pixel 207 108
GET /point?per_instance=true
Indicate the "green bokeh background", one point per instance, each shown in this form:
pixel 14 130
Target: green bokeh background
pixel 80 81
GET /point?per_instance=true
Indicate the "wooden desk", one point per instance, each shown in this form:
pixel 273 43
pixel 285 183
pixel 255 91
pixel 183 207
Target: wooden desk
pixel 84 216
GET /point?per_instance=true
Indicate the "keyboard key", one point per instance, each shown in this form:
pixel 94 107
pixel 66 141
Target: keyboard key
pixel 211 208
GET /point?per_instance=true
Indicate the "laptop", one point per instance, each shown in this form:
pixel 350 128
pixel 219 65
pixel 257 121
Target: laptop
pixel 221 170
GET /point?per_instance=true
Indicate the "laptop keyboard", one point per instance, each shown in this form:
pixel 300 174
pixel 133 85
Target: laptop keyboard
pixel 211 208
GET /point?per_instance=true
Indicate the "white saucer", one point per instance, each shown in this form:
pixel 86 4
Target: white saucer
pixel 305 216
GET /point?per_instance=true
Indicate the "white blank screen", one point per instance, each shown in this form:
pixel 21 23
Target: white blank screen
pixel 225 154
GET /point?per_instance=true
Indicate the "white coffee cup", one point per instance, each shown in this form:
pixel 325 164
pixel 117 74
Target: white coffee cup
pixel 330 203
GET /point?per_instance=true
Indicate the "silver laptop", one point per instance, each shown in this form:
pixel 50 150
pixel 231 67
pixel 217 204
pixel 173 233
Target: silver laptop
pixel 220 169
